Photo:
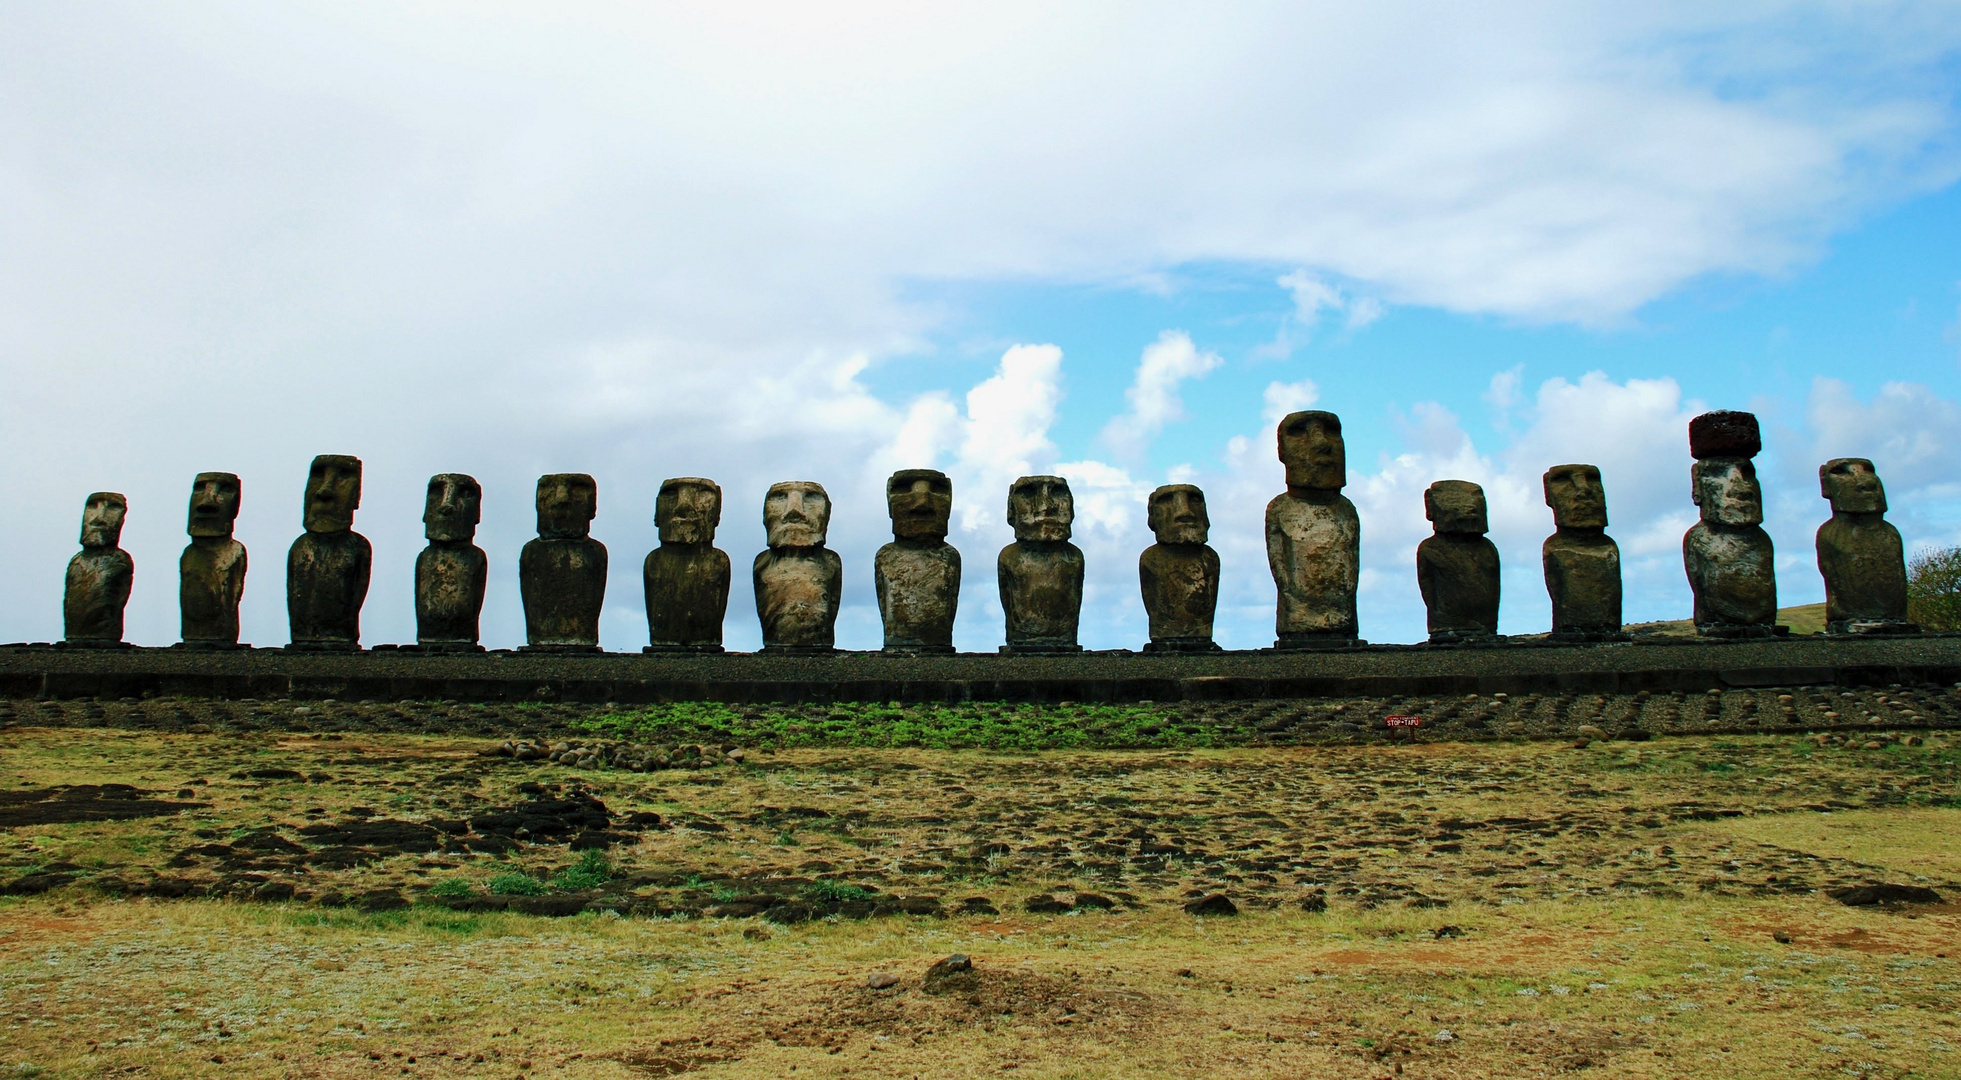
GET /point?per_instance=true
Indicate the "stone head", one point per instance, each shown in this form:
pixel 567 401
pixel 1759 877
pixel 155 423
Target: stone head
pixel 687 510
pixel 1852 485
pixel 1041 508
pixel 333 493
pixel 1576 497
pixel 796 514
pixel 567 503
pixel 1456 506
pixel 102 519
pixel 1312 449
pixel 452 508
pixel 214 504
pixel 920 502
pixel 1177 515
pixel 1726 489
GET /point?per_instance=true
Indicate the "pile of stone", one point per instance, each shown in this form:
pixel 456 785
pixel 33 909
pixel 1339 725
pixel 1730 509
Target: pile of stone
pixel 1867 740
pixel 619 755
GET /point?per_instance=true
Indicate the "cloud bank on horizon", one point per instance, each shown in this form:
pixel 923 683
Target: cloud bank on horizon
pixel 648 242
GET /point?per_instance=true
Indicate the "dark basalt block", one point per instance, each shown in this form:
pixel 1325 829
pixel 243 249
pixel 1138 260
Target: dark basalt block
pixel 1725 433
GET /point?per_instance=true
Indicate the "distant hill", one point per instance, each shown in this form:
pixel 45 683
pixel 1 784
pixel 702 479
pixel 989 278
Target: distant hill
pixel 1804 619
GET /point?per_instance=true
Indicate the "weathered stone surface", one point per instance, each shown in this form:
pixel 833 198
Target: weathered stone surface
pixel 1179 575
pixel 1457 566
pixel 451 572
pixel 1860 554
pixel 686 577
pixel 799 582
pixel 99 576
pixel 211 571
pixel 1582 563
pixel 1313 536
pixel 1041 573
pixel 327 568
pixel 1729 558
pixel 918 573
pixel 562 573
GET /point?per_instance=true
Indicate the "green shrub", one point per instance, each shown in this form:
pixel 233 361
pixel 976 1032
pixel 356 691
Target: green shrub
pixel 1934 588
pixel 451 888
pixel 836 891
pixel 516 884
pixel 591 871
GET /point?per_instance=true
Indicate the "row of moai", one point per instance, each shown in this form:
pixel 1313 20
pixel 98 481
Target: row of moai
pixel 1313 548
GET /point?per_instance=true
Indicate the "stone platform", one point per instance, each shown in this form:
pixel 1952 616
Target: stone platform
pixel 1658 665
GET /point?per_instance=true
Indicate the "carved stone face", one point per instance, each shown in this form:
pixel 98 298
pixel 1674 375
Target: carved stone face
pixel 567 503
pixel 1852 485
pixel 214 504
pixel 1177 515
pixel 1727 491
pixel 1041 508
pixel 1312 449
pixel 453 507
pixel 796 513
pixel 1576 497
pixel 687 510
pixel 920 502
pixel 333 493
pixel 102 519
pixel 1456 506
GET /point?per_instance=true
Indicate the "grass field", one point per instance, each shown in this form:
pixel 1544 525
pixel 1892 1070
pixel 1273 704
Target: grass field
pixel 277 903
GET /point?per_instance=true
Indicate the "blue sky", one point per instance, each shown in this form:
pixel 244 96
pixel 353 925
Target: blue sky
pixel 772 241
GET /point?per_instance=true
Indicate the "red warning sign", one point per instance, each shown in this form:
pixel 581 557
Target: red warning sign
pixel 1402 720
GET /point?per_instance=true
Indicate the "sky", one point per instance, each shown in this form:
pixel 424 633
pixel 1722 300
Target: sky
pixel 1115 241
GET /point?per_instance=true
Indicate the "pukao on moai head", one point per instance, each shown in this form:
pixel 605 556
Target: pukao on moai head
pixel 1728 556
pixel 1314 537
pixel 1040 575
pixel 99 576
pixel 917 575
pixel 327 568
pixel 799 582
pixel 1582 563
pixel 686 578
pixel 1457 566
pixel 211 571
pixel 562 573
pixel 1179 575
pixel 1860 554
pixel 450 572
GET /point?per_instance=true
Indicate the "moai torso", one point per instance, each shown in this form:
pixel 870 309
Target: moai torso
pixel 917 575
pixel 451 572
pixel 562 573
pixel 211 571
pixel 1582 563
pixel 97 585
pixel 1040 575
pixel 686 578
pixel 327 568
pixel 1313 536
pixel 799 583
pixel 1179 575
pixel 1729 559
pixel 1860 554
pixel 1457 567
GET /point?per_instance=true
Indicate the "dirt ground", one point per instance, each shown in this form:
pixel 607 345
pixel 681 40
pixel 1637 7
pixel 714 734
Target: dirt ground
pixel 195 898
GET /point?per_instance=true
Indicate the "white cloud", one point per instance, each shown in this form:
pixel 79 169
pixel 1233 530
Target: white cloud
pixel 1280 398
pixel 1912 435
pixel 1153 394
pixel 1312 296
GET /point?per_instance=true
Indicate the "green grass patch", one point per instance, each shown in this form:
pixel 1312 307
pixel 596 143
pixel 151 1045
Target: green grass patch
pixel 515 884
pixel 591 871
pixel 936 727
pixel 836 891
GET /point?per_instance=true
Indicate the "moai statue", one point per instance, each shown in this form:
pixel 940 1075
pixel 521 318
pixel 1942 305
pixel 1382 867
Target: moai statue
pixel 1860 554
pixel 1583 564
pixel 1041 573
pixel 450 573
pixel 799 582
pixel 211 572
pixel 1457 566
pixel 562 574
pixel 1179 574
pixel 327 567
pixel 686 577
pixel 98 576
pixel 918 573
pixel 1727 554
pixel 1314 537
